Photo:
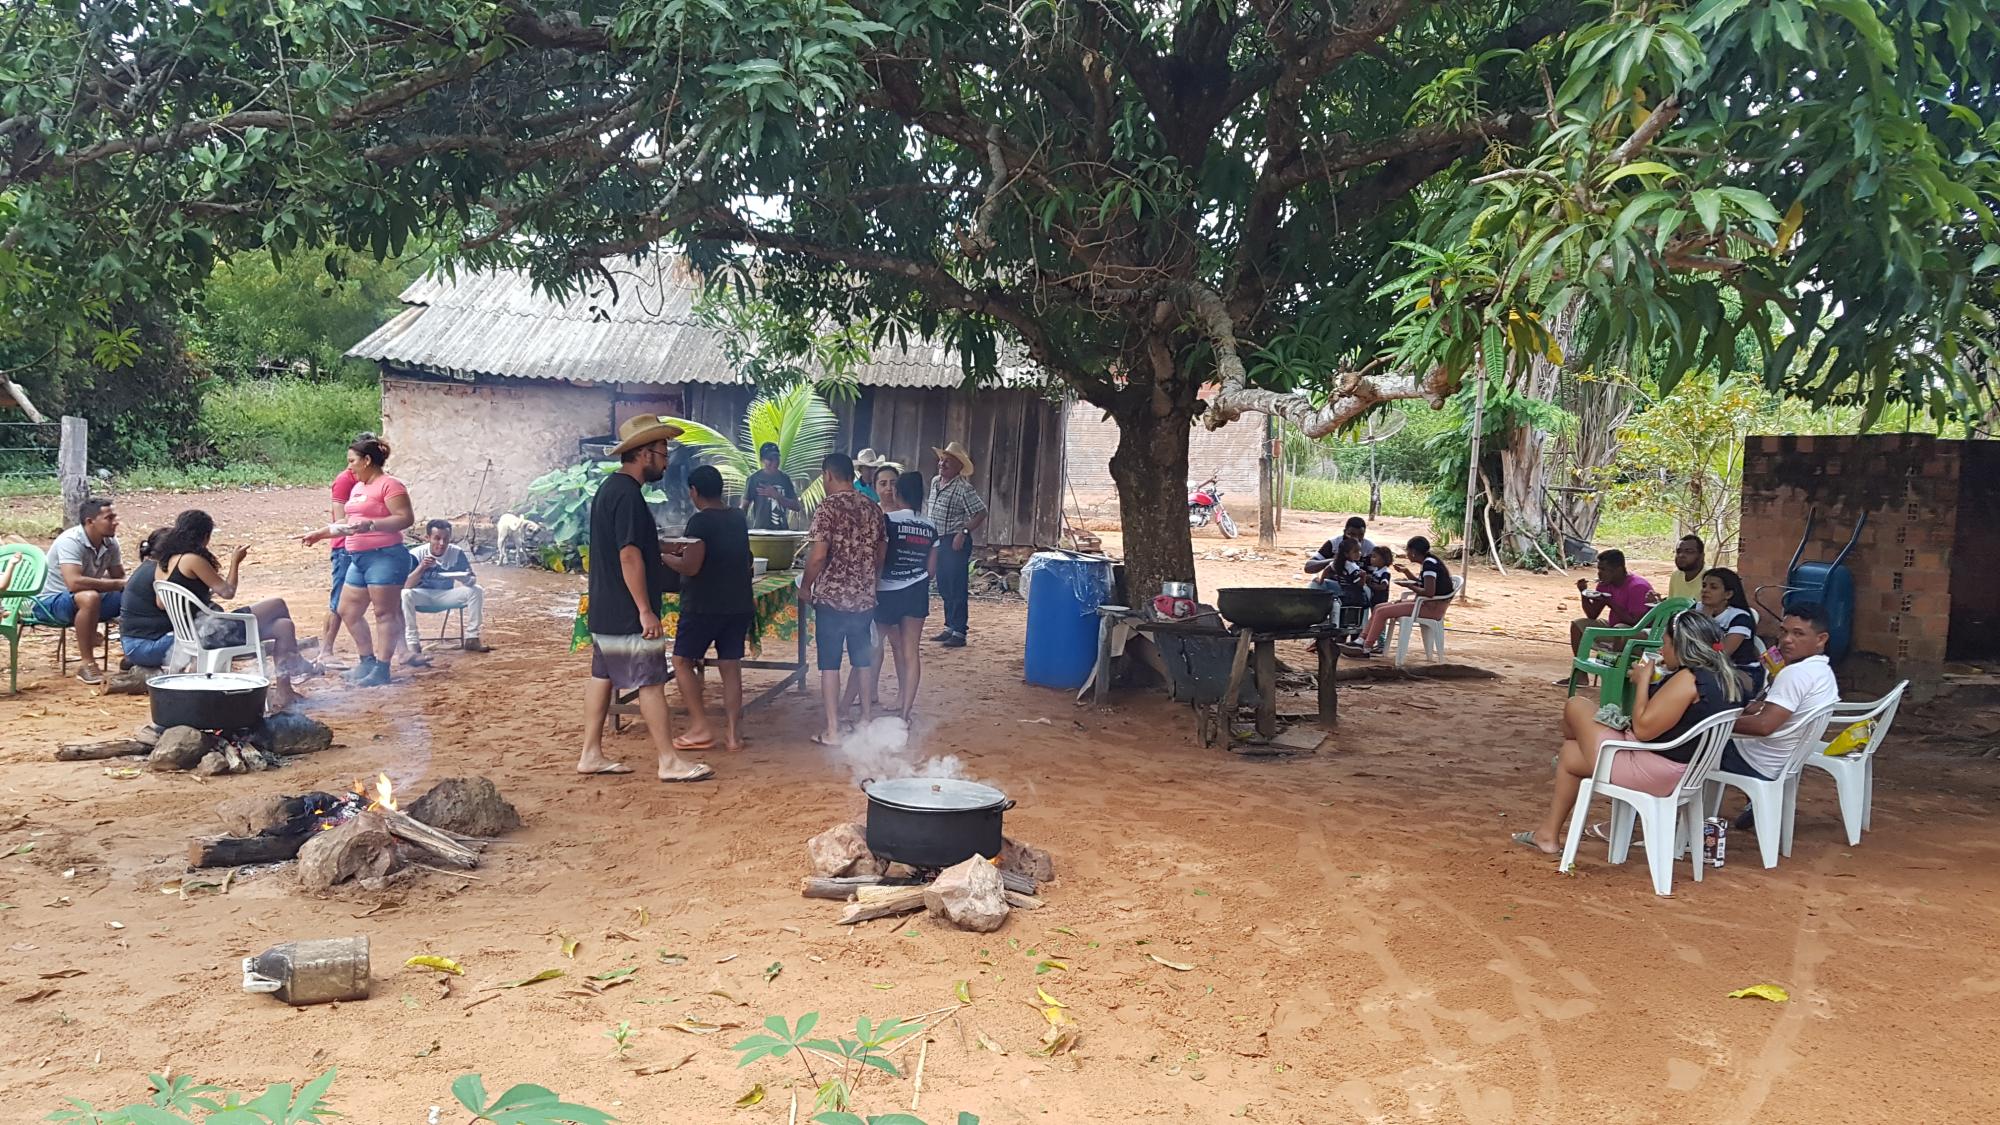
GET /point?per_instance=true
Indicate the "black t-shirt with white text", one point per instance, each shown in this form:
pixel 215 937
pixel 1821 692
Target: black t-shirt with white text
pixel 619 518
pixel 767 515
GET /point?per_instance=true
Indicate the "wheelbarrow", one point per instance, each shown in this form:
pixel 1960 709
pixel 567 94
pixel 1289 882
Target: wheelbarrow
pixel 1209 673
pixel 1830 585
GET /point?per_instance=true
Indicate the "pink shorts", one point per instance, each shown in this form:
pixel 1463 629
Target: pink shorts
pixel 1647 772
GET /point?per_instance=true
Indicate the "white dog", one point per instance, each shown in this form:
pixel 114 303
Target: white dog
pixel 513 532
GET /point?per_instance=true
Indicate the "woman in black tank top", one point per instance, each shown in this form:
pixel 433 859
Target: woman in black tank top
pixel 1700 685
pixel 185 561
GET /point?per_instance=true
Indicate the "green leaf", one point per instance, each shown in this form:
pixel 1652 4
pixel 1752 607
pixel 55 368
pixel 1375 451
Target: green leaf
pixel 1986 258
pixel 1708 205
pixel 1641 168
pixel 470 1090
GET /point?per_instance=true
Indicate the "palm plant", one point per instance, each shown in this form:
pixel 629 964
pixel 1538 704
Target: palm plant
pixel 797 418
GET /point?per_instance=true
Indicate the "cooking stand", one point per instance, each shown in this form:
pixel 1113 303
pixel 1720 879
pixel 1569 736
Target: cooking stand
pixel 1215 693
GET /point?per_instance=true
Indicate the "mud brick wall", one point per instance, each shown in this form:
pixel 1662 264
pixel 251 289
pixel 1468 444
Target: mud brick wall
pixel 1908 485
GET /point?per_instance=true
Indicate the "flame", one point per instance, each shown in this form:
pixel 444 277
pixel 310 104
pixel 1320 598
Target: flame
pixel 385 794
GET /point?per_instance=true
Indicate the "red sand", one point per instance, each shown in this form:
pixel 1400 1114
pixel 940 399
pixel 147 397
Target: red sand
pixel 1367 944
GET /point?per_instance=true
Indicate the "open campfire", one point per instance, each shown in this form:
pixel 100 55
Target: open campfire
pixel 362 835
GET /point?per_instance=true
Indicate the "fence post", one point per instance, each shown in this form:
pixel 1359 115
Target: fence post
pixel 73 465
pixel 1266 519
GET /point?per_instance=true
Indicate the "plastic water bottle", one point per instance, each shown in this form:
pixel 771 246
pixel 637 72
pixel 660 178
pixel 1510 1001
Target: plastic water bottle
pixel 310 972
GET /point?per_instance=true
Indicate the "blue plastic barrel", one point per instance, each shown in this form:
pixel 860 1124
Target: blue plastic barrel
pixel 1063 596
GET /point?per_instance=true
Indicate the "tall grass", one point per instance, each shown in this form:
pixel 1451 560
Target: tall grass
pixel 294 429
pixel 266 431
pixel 1318 494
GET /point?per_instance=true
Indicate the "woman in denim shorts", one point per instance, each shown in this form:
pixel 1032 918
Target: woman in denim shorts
pixel 377 561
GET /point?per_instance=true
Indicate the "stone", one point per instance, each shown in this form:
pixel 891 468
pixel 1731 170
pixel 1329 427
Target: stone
pixel 147 733
pixel 252 816
pixel 212 764
pixel 843 850
pixel 1027 860
pixel 288 733
pixel 469 806
pixel 256 761
pixel 127 681
pixel 969 895
pixel 180 748
pixel 360 849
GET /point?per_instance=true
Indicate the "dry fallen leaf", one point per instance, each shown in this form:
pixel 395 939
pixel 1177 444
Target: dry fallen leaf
pixel 755 1095
pixel 991 1045
pixel 569 945
pixel 963 992
pixel 667 958
pixel 1176 965
pixel 1060 1040
pixel 1769 992
pixel 699 1027
pixel 1047 1000
pixel 62 974
pixel 663 1068
pixel 31 997
pixel 545 974
pixel 726 959
pixel 618 935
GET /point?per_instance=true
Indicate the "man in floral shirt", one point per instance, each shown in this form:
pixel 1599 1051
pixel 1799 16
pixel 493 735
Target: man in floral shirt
pixel 849 539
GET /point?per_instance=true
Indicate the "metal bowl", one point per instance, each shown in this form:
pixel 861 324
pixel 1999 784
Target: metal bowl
pixel 1275 609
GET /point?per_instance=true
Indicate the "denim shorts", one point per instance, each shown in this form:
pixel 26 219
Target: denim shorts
pixel 383 566
pixel 339 577
pixel 835 630
pixel 59 608
pixel 147 652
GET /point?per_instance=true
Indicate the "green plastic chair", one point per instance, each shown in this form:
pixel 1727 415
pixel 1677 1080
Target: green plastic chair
pixel 25 567
pixel 1614 686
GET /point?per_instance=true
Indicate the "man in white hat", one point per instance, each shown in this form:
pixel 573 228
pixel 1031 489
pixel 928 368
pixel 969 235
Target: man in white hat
pixel 957 511
pixel 628 576
pixel 865 464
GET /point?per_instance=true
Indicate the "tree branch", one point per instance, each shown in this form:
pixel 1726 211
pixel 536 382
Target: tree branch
pixel 1325 165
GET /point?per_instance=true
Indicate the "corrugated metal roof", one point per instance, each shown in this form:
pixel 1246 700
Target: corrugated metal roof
pixel 645 331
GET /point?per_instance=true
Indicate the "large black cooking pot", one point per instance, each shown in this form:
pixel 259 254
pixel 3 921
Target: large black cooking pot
pixel 1275 609
pixel 208 700
pixel 933 822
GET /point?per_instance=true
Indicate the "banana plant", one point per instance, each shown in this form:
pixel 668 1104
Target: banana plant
pixel 797 418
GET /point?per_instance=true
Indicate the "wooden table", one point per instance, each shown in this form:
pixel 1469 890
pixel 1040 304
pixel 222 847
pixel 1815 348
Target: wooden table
pixel 1255 652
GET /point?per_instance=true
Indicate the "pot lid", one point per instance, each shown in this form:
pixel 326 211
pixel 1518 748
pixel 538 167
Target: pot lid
pixel 207 681
pixel 935 794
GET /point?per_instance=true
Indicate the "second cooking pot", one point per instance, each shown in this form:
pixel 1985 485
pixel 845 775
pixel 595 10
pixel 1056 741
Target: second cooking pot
pixel 207 700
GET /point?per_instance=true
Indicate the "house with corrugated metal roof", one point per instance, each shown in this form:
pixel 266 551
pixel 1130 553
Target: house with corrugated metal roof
pixel 488 384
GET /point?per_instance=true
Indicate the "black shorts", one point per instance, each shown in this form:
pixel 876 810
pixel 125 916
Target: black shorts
pixel 835 630
pixel 697 631
pixel 892 606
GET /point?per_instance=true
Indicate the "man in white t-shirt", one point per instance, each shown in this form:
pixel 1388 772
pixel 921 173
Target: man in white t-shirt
pixel 1768 729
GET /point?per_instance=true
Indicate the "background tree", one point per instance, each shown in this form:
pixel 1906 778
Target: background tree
pixel 1181 210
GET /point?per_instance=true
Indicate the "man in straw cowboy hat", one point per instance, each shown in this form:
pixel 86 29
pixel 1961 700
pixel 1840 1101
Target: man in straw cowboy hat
pixel 865 464
pixel 628 575
pixel 957 511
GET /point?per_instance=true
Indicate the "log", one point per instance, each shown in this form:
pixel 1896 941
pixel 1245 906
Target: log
pixel 844 888
pixel 1019 901
pixel 236 851
pixel 100 749
pixel 448 848
pixel 908 900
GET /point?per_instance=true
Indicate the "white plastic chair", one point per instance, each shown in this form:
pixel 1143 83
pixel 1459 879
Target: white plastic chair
pixel 186 613
pixel 1774 803
pixel 1673 823
pixel 1429 629
pixel 1854 773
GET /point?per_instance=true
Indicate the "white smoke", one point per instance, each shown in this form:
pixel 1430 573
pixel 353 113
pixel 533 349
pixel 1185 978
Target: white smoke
pixel 882 748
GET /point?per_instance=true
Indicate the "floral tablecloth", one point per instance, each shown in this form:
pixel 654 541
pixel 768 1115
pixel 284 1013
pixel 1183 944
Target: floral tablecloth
pixel 774 615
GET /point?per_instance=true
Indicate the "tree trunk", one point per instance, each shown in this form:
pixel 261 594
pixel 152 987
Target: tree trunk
pixel 1150 468
pixel 1602 406
pixel 1524 475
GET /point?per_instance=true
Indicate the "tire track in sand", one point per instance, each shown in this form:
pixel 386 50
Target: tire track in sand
pixel 1414 1002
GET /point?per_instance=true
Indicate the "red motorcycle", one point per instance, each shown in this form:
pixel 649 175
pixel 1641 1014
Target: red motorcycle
pixel 1205 504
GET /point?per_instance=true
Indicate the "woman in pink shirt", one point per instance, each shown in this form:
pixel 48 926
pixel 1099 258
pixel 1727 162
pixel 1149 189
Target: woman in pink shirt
pixel 377 511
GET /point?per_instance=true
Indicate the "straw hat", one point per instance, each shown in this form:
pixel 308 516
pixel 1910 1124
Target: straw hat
pixel 643 429
pixel 867 459
pixel 956 452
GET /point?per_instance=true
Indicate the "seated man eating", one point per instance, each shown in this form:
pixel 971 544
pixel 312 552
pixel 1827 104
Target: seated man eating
pixel 440 580
pixel 1769 727
pixel 1620 599
pixel 1320 564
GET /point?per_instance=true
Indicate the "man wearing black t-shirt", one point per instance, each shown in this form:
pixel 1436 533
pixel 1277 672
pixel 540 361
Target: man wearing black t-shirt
pixel 716 608
pixel 768 493
pixel 628 576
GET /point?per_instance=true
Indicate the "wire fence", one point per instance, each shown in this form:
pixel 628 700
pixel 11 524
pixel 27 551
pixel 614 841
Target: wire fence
pixel 28 453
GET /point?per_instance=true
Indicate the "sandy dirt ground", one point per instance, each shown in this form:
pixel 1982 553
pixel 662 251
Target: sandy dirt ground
pixel 1367 945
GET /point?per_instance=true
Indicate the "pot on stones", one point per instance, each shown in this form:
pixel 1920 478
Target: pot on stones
pixel 933 822
pixel 207 700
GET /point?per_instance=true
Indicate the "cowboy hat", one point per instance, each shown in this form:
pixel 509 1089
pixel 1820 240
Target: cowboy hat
pixel 956 452
pixel 868 457
pixel 643 429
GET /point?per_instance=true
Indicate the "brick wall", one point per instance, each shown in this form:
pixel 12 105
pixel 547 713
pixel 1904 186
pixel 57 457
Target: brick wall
pixel 1230 453
pixel 1908 486
pixel 444 433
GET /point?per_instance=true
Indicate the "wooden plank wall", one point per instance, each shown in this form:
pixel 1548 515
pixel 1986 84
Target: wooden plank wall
pixel 1015 438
